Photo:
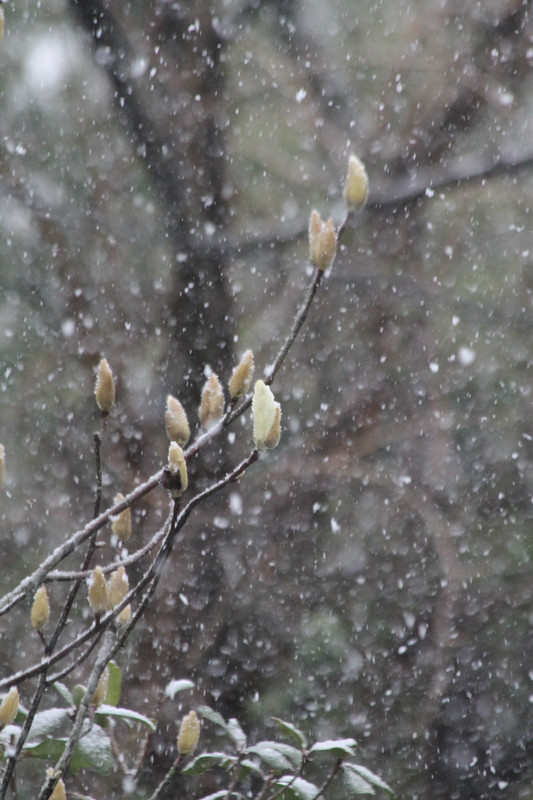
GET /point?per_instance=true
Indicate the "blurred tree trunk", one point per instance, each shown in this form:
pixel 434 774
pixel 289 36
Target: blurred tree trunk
pixel 174 116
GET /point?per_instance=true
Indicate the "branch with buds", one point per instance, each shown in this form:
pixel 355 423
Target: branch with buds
pixel 116 607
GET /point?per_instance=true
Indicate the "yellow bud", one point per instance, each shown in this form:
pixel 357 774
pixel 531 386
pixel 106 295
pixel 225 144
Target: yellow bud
pixel 274 435
pixel 117 588
pixel 40 610
pixel 189 734
pixel 104 390
pixel 101 689
pixel 176 422
pixel 211 403
pixel 356 185
pixel 98 592
pixel 241 377
pixel 9 707
pixel 263 412
pixel 322 241
pixel 1 22
pixel 59 792
pixel 125 615
pixel 121 524
pixel 175 477
pixel 2 463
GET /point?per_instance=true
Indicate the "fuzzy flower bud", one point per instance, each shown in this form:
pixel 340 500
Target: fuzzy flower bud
pixel 9 707
pixel 176 422
pixel 101 689
pixel 104 390
pixel 121 524
pixel 2 464
pixel 264 411
pixel 117 588
pixel 175 477
pixel 356 185
pixel 59 792
pixel 322 241
pixel 125 615
pixel 40 610
pixel 189 734
pixel 241 377
pixel 98 592
pixel 211 403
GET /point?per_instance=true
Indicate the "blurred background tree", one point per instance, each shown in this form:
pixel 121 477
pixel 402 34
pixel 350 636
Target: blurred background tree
pixel 158 165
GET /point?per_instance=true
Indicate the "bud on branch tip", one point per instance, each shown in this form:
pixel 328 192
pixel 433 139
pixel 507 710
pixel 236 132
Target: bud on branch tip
pixel 104 390
pixel 322 241
pixel 266 417
pixel 356 185
pixel 9 707
pixel 40 610
pixel 176 422
pixel 189 734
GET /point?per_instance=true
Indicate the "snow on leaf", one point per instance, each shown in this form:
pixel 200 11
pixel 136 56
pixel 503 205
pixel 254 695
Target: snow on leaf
pixel 124 713
pixel 291 754
pixel 291 730
pixel 48 722
pixel 173 687
pixel 270 756
pixel 370 777
pixel 355 783
pixel 339 747
pixel 297 787
pixel 64 692
pixel 236 734
pixel 205 761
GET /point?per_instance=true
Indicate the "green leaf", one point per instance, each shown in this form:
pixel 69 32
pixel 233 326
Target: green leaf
pixel 127 714
pixel 205 761
pixel 291 755
pixel 270 756
pixel 216 795
pixel 175 686
pixel 114 684
pixel 64 692
pixel 92 751
pixel 369 777
pixel 291 730
pixel 247 768
pixel 232 727
pixel 49 722
pixel 297 788
pixel 212 716
pixel 356 784
pixel 339 747
pixel 236 734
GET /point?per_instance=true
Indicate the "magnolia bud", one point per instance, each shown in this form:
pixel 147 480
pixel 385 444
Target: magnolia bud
pixel 176 422
pixel 274 435
pixel 40 610
pixel 98 592
pixel 189 734
pixel 59 792
pixel 241 377
pixel 263 412
pixel 211 403
pixel 356 185
pixel 175 477
pixel 117 588
pixel 9 707
pixel 101 689
pixel 125 615
pixel 104 390
pixel 2 463
pixel 121 524
pixel 322 241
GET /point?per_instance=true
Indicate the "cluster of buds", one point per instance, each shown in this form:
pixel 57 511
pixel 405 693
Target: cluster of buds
pixel 188 735
pixel 104 596
pixel 9 707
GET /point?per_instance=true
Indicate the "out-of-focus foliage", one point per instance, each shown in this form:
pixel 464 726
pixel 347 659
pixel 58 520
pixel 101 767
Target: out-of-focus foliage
pixel 375 581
